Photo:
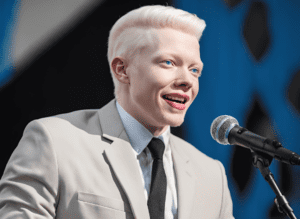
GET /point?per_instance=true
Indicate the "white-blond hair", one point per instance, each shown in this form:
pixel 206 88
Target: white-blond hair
pixel 128 34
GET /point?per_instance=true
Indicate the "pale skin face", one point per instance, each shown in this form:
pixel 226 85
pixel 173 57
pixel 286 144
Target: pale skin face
pixel 171 65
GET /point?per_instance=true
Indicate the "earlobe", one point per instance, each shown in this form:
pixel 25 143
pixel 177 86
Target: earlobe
pixel 119 70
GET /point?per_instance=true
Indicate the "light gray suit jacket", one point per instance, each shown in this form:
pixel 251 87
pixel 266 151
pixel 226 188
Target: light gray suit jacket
pixel 81 165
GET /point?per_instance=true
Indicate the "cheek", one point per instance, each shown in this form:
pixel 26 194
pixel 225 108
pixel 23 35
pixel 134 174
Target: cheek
pixel 155 81
pixel 149 81
pixel 163 79
pixel 196 89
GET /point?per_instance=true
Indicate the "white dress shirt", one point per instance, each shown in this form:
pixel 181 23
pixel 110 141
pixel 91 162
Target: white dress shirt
pixel 139 138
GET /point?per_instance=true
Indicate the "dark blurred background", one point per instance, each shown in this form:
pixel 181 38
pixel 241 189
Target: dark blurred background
pixel 53 60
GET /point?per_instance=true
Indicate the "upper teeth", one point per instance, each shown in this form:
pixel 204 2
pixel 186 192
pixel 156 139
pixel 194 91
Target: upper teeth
pixel 175 98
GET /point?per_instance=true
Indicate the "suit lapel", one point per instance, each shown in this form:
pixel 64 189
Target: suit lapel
pixel 185 179
pixel 122 159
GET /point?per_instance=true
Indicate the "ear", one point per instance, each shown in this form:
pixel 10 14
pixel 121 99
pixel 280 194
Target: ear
pixel 119 70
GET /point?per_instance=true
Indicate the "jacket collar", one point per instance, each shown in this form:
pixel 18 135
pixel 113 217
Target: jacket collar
pixel 110 121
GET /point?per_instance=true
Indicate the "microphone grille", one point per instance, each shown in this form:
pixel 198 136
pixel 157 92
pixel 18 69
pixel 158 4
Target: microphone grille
pixel 221 126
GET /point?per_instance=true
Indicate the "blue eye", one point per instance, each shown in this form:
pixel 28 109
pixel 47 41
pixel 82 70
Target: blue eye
pixel 168 62
pixel 196 70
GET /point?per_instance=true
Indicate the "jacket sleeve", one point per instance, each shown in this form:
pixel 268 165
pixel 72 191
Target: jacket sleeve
pixel 227 208
pixel 29 185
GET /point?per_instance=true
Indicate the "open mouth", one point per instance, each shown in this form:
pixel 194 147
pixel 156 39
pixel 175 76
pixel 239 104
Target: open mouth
pixel 174 99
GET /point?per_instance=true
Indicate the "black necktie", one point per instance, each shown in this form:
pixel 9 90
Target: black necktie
pixel 158 190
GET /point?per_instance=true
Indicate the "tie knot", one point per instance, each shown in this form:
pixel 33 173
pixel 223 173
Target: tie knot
pixel 156 147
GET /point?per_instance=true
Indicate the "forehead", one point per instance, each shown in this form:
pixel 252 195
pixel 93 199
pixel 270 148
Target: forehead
pixel 168 40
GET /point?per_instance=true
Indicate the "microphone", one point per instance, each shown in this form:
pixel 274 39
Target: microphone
pixel 226 130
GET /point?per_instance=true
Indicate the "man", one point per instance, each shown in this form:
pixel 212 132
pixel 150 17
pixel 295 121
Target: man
pixel 122 161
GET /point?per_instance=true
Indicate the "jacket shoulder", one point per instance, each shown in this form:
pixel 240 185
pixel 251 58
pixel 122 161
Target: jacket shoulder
pixel 87 120
pixel 75 117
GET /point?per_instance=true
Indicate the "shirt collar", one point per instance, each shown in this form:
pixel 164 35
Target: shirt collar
pixel 138 135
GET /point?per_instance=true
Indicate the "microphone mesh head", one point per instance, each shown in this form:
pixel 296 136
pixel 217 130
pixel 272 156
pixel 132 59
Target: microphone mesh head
pixel 219 127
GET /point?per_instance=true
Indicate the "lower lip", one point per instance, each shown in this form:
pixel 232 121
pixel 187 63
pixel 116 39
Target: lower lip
pixel 175 105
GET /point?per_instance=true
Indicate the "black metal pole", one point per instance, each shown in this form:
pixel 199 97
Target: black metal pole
pixel 262 162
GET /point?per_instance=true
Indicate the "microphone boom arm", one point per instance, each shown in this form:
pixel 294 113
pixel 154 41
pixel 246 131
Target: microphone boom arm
pixel 241 136
pixel 262 162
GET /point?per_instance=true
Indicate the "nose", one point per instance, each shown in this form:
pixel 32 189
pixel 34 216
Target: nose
pixel 185 79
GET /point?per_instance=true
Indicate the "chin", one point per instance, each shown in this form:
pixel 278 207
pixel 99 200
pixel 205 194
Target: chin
pixel 176 124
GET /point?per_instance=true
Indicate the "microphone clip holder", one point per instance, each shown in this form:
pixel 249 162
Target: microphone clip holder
pixel 262 161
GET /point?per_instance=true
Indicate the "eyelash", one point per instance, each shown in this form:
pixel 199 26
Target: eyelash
pixel 173 62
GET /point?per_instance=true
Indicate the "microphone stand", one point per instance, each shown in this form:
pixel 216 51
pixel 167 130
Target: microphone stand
pixel 262 162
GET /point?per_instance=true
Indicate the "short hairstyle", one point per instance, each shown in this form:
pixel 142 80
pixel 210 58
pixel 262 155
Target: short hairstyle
pixel 128 34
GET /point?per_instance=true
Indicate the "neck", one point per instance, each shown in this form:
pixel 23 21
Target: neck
pixel 155 130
